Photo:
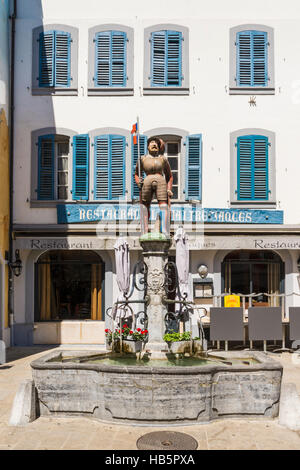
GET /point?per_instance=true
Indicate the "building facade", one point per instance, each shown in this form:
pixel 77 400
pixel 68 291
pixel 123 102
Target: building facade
pixel 4 167
pixel 219 85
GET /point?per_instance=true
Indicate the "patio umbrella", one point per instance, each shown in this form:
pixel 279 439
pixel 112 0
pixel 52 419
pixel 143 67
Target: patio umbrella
pixel 182 265
pixel 182 260
pixel 123 277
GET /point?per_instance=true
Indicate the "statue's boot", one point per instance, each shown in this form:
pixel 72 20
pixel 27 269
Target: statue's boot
pixel 165 219
pixel 144 219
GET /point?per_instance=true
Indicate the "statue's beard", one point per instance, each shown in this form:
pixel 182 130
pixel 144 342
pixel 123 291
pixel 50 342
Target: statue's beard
pixel 154 153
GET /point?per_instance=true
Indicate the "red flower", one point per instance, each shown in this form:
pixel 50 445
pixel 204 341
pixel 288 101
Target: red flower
pixel 125 326
pixel 130 332
pixel 138 329
pixel 146 331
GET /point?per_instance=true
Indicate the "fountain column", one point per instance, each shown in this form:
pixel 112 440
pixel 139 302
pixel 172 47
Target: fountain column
pixel 155 252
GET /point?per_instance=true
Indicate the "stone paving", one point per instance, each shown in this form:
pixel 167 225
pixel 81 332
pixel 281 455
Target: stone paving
pixel 90 434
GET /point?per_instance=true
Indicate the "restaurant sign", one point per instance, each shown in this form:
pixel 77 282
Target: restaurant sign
pixel 86 213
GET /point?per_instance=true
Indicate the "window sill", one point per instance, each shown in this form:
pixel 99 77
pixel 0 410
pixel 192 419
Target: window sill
pixel 166 91
pixel 110 91
pixel 251 91
pixel 34 203
pixel 254 204
pixel 39 91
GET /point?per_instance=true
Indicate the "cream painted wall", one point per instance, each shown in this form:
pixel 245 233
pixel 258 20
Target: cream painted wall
pixel 209 109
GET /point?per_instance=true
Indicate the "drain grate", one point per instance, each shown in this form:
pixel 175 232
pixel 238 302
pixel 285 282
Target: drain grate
pixel 166 440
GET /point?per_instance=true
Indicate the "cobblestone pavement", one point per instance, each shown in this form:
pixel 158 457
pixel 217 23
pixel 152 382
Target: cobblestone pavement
pixel 85 433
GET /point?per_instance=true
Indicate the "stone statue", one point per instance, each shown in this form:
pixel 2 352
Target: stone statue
pixel 157 183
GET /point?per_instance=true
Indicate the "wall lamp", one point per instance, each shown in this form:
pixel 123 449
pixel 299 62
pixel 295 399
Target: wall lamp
pixel 16 266
pixel 202 271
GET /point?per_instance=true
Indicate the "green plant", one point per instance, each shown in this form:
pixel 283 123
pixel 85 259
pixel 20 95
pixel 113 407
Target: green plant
pixel 174 337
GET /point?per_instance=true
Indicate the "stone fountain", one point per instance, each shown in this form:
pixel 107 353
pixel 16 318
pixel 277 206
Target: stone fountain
pixel 160 388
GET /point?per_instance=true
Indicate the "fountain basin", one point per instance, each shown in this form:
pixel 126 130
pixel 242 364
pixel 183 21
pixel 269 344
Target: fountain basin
pixel 239 384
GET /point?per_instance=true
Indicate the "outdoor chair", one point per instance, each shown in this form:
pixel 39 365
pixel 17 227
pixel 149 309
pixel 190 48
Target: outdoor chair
pixel 294 317
pixel 226 324
pixel 264 323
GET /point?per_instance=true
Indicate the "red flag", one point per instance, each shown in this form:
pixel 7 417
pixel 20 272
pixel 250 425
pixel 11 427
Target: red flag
pixel 134 128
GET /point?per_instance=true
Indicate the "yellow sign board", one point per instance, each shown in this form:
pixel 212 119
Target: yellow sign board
pixel 232 301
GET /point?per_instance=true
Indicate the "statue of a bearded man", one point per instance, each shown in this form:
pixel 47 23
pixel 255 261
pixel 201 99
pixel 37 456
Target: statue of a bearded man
pixel 157 183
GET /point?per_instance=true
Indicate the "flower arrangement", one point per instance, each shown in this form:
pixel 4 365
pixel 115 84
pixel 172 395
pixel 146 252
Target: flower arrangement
pixel 127 334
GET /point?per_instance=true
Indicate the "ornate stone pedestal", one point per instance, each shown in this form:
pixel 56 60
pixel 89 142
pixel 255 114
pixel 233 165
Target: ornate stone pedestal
pixel 155 252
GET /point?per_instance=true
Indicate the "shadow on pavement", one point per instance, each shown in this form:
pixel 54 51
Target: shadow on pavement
pixel 15 353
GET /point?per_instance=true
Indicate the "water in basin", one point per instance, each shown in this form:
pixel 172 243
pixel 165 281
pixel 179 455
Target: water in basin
pixel 146 361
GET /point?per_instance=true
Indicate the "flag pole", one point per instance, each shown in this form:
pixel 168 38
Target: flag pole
pixel 139 172
pixel 138 146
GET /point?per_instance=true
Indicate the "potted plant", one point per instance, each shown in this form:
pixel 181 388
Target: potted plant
pixel 132 341
pixel 178 343
pixel 135 340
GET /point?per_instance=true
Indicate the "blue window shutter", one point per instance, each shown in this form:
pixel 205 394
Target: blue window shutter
pixel 46 59
pixel 260 63
pixel 118 59
pixel 158 58
pixel 252 58
pixel 194 167
pixel 62 59
pixel 111 59
pixel 117 166
pixel 134 150
pixel 109 167
pixel 101 174
pixel 174 58
pixel 80 167
pixel 46 167
pixel 166 58
pixel 252 168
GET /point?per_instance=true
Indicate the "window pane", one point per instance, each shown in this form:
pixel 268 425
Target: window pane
pixel 173 163
pixel 62 163
pixel 62 148
pixel 62 177
pixel 62 192
pixel 172 148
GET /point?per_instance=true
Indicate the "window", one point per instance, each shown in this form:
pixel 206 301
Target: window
pixel 252 173
pixel 110 60
pixel 69 286
pixel 172 152
pixel 53 167
pixel 173 155
pixel 249 272
pixel 54 59
pixel 252 62
pixel 109 167
pixel 184 153
pixel 253 167
pixel 54 67
pixel 166 60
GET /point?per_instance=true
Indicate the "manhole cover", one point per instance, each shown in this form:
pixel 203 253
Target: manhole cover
pixel 166 440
